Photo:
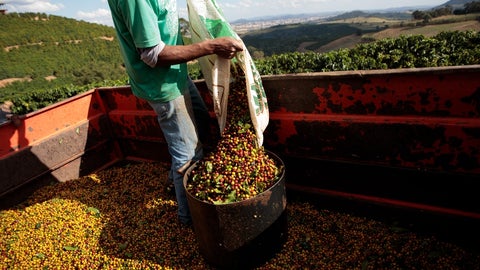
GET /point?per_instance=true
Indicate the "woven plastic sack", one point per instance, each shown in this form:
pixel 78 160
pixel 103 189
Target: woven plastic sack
pixel 207 22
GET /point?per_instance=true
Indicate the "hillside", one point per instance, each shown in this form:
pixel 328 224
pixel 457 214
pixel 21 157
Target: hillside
pixel 46 51
pixel 363 14
pixel 456 3
pixel 355 27
pixel 392 32
pixel 428 30
pixel 288 38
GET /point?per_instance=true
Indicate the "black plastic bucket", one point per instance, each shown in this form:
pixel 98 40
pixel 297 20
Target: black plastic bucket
pixel 242 234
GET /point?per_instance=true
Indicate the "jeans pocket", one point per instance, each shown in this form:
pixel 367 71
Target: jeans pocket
pixel 163 110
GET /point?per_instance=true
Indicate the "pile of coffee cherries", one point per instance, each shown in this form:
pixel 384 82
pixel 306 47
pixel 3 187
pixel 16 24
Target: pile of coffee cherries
pixel 238 168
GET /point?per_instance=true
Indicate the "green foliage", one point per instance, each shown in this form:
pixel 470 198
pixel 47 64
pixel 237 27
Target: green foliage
pixel 33 28
pixel 445 49
pixel 427 15
pixel 37 99
pixel 54 51
pixel 194 71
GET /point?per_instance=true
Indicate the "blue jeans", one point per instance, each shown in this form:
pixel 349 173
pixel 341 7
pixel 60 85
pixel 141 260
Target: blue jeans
pixel 178 124
pixel 200 110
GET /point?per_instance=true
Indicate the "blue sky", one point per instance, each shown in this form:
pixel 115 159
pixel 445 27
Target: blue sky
pixel 97 10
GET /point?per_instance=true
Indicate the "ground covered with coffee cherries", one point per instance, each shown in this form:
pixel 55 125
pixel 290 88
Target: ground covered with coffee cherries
pixel 121 218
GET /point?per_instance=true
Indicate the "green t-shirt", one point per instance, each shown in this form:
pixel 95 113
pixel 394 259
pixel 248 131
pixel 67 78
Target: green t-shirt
pixel 144 24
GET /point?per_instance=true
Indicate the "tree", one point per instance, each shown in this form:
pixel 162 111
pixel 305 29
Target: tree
pixel 427 18
pixel 418 15
pixel 472 7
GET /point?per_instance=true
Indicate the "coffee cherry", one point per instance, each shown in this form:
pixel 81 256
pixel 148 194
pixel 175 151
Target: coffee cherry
pixel 243 168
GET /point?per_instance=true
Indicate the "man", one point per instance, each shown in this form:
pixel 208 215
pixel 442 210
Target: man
pixel 155 59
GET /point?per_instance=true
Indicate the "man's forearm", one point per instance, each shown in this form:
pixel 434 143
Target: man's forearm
pixel 171 55
pixel 223 47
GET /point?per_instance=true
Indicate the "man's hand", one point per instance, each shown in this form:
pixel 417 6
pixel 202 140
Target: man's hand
pixel 226 47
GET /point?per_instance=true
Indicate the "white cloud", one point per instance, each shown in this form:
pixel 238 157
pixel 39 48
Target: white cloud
pixel 245 3
pixel 32 6
pixel 100 16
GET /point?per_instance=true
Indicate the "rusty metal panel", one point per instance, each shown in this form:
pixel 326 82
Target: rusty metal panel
pixel 134 125
pixel 425 119
pixel 129 116
pixel 434 92
pixel 53 143
pixel 26 172
pixel 419 146
pixel 53 153
pixel 37 126
pixel 121 99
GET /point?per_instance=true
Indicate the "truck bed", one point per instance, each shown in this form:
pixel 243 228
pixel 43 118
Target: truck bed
pixel 399 139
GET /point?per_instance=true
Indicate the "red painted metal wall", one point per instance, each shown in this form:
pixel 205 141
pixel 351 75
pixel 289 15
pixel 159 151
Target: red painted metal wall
pixel 404 138
pixel 425 119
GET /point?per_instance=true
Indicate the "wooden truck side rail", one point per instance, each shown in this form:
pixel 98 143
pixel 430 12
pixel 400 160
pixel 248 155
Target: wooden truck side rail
pixel 407 138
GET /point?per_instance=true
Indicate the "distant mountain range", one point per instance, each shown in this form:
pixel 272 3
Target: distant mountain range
pixel 456 4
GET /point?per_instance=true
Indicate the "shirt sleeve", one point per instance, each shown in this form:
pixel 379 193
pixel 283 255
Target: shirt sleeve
pixel 142 24
pixel 150 55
